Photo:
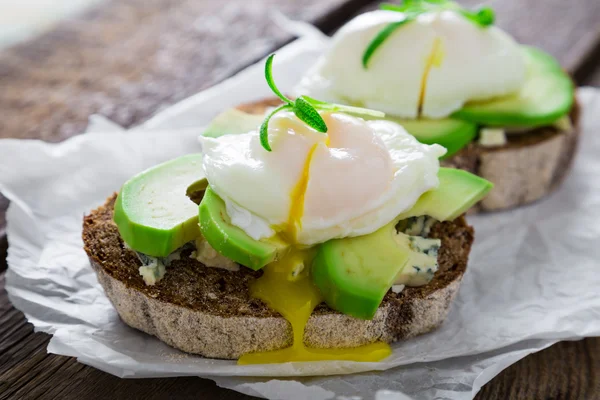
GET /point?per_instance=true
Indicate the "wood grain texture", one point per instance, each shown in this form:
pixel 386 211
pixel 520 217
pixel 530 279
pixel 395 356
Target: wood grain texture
pixel 594 78
pixel 570 31
pixel 3 241
pixel 130 58
pixel 567 370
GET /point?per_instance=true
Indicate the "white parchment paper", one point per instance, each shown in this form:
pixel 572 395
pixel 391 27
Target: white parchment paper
pixel 533 277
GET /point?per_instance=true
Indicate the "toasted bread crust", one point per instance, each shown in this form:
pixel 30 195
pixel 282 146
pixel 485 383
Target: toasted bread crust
pixel 208 311
pixel 528 167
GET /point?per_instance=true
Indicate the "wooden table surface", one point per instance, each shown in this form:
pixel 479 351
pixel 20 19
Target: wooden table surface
pixel 129 58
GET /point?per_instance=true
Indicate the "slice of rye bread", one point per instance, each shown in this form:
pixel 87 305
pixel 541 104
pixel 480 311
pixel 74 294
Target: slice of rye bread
pixel 528 167
pixel 209 311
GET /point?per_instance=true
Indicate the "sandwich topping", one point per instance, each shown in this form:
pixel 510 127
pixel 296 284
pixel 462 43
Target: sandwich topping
pixel 329 207
pixel 345 177
pixel 429 66
pixel 314 187
pixel 307 178
pixel 444 73
pixel 334 203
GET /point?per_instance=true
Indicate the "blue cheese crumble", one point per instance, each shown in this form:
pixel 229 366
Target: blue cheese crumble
pixel 422 263
pixel 153 269
pixel 418 226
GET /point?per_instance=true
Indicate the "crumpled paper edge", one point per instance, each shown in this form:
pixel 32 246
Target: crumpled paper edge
pixel 149 126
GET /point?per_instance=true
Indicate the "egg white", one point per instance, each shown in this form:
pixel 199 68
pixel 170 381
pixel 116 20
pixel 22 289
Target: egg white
pixel 361 175
pixel 474 63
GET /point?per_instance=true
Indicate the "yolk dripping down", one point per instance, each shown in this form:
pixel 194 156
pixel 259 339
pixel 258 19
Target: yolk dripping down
pixel 287 288
pixel 294 296
pixel 434 59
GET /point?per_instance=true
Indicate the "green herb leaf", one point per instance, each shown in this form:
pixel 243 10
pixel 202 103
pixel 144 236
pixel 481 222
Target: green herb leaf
pixel 483 17
pixel 342 108
pixel 394 7
pixel 415 5
pixel 318 103
pixel 382 37
pixel 305 108
pixel 486 16
pixel 309 115
pixel 271 82
pixel 264 127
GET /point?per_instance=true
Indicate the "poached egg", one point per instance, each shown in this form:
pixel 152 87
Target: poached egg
pixel 428 67
pixel 312 186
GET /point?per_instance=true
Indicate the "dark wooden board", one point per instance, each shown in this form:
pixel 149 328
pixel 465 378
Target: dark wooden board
pixel 3 241
pixel 569 30
pixel 594 79
pixel 128 59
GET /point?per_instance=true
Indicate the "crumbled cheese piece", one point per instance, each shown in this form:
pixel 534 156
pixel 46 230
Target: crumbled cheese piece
pixel 153 269
pixel 211 258
pixel 419 226
pixel 153 272
pixel 176 255
pixel 422 264
pixel 397 288
pixel 426 246
pixel 564 124
pixel 492 137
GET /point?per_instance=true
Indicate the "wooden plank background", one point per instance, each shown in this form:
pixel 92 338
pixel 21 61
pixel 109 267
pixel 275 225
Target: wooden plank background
pixel 130 58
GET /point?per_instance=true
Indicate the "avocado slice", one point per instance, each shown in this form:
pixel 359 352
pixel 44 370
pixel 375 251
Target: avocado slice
pixel 232 121
pixel 196 190
pixel 453 134
pixel 152 212
pixel 354 274
pixel 457 192
pixel 547 95
pixel 231 241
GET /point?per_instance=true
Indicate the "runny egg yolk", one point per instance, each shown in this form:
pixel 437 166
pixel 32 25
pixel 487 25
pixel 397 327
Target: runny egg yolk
pixel 298 195
pixel 287 288
pixel 434 59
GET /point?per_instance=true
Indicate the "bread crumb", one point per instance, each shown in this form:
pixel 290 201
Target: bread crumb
pixel 397 288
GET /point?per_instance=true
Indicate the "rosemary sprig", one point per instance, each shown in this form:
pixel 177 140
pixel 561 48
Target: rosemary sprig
pixel 412 9
pixel 304 107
